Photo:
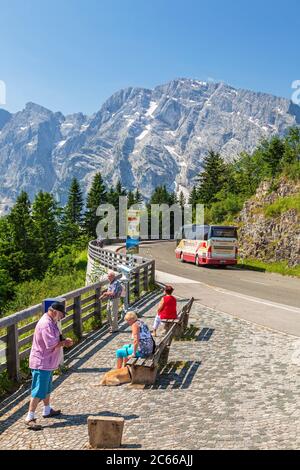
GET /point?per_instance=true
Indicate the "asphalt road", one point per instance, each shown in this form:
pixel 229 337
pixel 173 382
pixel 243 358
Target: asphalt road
pixel 273 287
pixel 268 299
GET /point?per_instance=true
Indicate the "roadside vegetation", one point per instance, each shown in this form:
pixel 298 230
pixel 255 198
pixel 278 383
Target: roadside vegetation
pixel 223 187
pixel 281 267
pixel 283 204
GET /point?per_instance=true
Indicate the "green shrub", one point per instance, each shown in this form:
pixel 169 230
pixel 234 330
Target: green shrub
pixel 225 209
pixel 67 273
pixel 292 171
pixel 283 204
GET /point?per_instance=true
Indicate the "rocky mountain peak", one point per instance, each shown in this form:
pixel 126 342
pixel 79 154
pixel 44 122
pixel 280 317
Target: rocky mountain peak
pixel 145 137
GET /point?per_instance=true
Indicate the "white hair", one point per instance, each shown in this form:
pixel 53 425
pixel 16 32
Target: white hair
pixel 111 273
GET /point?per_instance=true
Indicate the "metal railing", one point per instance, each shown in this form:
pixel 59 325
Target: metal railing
pixel 81 305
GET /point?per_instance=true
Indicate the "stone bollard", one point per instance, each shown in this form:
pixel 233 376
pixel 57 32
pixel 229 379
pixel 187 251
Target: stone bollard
pixel 105 432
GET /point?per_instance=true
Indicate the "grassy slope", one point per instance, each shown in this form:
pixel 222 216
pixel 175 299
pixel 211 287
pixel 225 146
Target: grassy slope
pixel 276 267
pixel 33 292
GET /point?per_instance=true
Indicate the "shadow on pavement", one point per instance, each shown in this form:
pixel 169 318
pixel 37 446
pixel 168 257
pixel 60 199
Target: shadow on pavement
pixel 89 346
pixel 81 419
pixel 176 375
pixel 192 333
pixel 205 334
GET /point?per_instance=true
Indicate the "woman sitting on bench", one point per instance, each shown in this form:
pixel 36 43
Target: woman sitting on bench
pixel 143 343
pixel 167 308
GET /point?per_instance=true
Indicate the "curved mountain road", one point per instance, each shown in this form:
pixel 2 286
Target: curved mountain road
pixel 267 299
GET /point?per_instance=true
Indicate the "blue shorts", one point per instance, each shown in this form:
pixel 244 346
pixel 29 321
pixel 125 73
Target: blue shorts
pixel 41 383
pixel 126 351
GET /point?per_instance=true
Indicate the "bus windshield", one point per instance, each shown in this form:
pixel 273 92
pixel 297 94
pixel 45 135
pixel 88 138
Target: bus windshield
pixel 223 232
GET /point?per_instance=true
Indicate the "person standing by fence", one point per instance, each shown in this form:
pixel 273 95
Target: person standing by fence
pixel 45 356
pixel 112 294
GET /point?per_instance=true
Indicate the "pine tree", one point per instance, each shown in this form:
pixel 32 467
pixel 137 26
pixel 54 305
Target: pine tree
pixel 272 154
pixel 212 179
pixel 138 198
pixel 160 196
pixel 246 174
pixel 6 262
pixel 112 197
pixel 96 196
pixel 130 199
pixel 292 147
pixel 24 249
pixel 45 226
pixel 119 189
pixel 6 288
pixel 193 197
pixel 70 227
pixel 114 194
pixel 74 206
pixel 173 199
pixel 181 199
pixel 114 200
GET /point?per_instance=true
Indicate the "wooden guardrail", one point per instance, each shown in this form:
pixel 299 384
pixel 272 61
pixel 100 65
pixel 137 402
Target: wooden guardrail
pixel 16 330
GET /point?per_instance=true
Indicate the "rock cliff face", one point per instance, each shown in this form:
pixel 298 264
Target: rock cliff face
pixel 145 137
pixel 275 238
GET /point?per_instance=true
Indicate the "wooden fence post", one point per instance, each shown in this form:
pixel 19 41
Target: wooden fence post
pixel 152 280
pixel 137 283
pixel 12 357
pixel 77 320
pixel 98 307
pixel 146 278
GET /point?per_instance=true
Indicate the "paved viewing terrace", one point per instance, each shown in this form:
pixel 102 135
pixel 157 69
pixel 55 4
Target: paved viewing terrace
pixel 228 384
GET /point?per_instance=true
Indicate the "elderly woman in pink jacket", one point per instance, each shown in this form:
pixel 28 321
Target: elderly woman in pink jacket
pixel 44 358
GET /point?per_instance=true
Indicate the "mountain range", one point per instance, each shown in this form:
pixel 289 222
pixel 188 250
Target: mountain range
pixel 144 137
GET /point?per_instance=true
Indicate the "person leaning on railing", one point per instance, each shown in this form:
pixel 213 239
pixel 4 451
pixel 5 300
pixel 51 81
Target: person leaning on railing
pixel 44 358
pixel 112 294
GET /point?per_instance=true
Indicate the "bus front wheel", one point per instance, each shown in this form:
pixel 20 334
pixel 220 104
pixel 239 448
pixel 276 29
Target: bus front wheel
pixel 181 258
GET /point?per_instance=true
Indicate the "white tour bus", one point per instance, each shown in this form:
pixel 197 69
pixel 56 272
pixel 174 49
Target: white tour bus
pixel 207 245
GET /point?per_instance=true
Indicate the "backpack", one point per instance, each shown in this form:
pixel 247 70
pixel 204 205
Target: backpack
pixel 144 336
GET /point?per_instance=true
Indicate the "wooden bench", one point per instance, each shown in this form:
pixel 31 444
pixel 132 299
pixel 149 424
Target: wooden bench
pixel 144 370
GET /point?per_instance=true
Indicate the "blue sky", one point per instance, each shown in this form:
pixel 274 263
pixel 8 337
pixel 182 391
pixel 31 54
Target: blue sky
pixel 70 55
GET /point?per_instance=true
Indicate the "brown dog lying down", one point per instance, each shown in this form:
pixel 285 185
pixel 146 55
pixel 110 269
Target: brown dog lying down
pixel 116 377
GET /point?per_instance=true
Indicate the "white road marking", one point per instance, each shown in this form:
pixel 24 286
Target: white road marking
pixel 258 300
pixel 256 282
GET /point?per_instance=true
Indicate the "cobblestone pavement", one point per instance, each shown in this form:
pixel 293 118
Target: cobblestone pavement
pixel 229 384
